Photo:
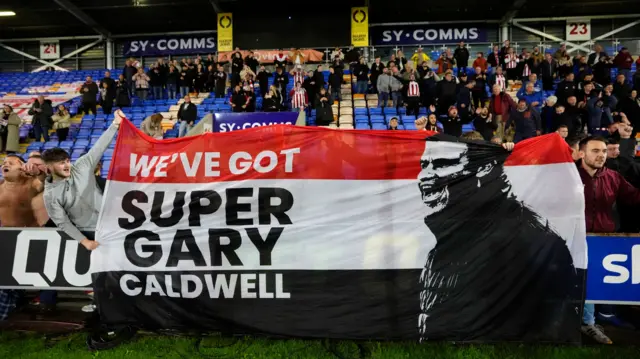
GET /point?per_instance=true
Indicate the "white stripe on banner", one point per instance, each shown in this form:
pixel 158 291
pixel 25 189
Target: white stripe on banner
pixel 335 224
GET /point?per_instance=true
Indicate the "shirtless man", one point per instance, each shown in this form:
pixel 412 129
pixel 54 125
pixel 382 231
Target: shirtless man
pixel 37 203
pixel 22 182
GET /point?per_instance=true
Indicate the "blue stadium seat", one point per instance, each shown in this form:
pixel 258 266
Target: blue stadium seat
pixel 66 144
pixel 375 111
pixel 377 119
pixel 378 126
pixel 408 118
pixel 86 124
pixel 34 146
pixel 362 126
pixel 360 111
pixel 50 145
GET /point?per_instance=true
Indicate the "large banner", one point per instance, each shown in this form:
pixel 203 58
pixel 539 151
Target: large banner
pixel 170 45
pixel 227 122
pixel 58 93
pixel 360 26
pixel 307 232
pixel 428 34
pixel 268 56
pixel 225 31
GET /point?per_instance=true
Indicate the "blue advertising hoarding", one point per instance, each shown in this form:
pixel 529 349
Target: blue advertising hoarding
pixel 170 45
pixel 227 122
pixel 614 270
pixel 428 34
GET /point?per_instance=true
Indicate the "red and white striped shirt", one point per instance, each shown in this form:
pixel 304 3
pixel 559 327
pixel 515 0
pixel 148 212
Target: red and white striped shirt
pixel 526 71
pixel 281 57
pixel 413 90
pixel 298 98
pixel 502 82
pixel 511 60
pixel 298 77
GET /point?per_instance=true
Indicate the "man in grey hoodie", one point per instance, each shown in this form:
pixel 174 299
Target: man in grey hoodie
pixel 71 195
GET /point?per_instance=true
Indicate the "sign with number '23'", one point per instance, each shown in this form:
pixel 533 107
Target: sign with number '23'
pixel 579 30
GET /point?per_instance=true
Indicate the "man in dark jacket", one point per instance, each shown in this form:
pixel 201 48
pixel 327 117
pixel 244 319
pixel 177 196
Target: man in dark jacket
pixel 566 88
pixel 464 101
pixel 602 188
pixel 221 82
pixel 335 83
pixel 111 84
pixel 263 80
pixel 41 111
pixel 187 115
pixel 252 62
pixel 89 91
pixel 376 71
pixel 128 71
pixel 318 78
pixel 462 57
pixel 281 80
pixel 324 112
pixel 548 71
pixel 526 120
pixel 446 92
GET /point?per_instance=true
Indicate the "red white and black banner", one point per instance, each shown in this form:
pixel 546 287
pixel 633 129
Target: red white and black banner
pixel 306 232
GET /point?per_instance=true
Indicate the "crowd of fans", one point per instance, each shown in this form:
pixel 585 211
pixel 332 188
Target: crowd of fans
pixel 597 115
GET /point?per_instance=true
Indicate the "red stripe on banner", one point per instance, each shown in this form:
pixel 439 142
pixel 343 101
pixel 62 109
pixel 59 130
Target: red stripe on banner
pixel 541 150
pixel 289 152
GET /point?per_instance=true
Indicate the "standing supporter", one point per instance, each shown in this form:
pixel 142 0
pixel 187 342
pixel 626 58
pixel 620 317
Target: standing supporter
pixel 526 120
pixel 281 80
pixel 71 194
pixel 388 86
pixel 401 61
pixel 251 99
pixel 187 115
pixel 623 62
pixel 527 65
pixel 594 57
pixel 172 82
pixel 429 87
pixel 238 100
pixel 493 59
pixel 480 62
pixel 271 101
pixel 461 55
pixel 602 188
pixel 9 130
pixel 200 79
pixel 464 101
pixel 122 92
pixel 537 57
pixel 548 71
pixel 500 108
pixel 280 60
pixel 318 78
pixel 220 82
pixel 504 50
pixel 89 91
pixel 61 122
pixel 499 79
pixel 621 88
pixel 297 57
pixel 335 84
pixel 533 98
pixel 106 97
pixel 419 57
pixel 599 112
pixel 566 88
pixel 210 84
pixel 630 106
pixel 263 80
pixel 602 70
pixel 445 62
pixel 152 126
pixel 565 65
pixel 479 90
pixel 413 96
pixel 352 57
pixel 324 112
pixel 299 98
pixel 511 60
pixel 236 62
pixel 298 74
pixel 252 61
pixel 129 71
pixel 446 92
pixel 452 123
pixel 309 85
pixel 548 113
pixel 376 71
pixel 484 123
pixel 185 81
pixel 42 111
pixel 142 84
pixel 155 81
pixel 111 84
pixel 361 71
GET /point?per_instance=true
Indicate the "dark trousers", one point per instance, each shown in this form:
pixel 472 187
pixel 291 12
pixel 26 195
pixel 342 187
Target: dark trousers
pixel 547 83
pixel 107 106
pixel 86 106
pixel 479 98
pixel 40 131
pixel 413 105
pixel 62 133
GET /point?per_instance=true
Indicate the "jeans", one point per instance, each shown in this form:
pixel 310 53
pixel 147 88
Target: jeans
pixel 184 91
pixel 142 93
pixel 184 128
pixel 335 94
pixel 41 131
pixel 361 86
pixel 589 314
pixel 157 92
pixel 396 97
pixel 171 90
pixel 383 99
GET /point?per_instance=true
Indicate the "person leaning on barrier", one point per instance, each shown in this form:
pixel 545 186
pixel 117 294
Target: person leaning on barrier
pixel 71 195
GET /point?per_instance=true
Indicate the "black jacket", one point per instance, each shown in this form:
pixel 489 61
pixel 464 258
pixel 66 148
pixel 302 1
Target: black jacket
pixel 111 86
pixel 89 96
pixel 281 80
pixel 128 72
pixel 189 114
pixel 485 126
pixel 461 54
pixel 335 81
pixel 173 77
pixel 565 90
pixel 361 72
pixel 324 112
pixel 43 117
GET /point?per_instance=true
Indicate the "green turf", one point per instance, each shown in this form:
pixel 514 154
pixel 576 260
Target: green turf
pixel 28 346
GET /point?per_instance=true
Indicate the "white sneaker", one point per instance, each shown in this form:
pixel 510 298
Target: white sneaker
pixel 596 333
pixel 89 308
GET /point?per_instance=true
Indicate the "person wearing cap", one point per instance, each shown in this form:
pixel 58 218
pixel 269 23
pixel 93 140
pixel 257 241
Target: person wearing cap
pixel 393 123
pixel 526 120
pixel 623 62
